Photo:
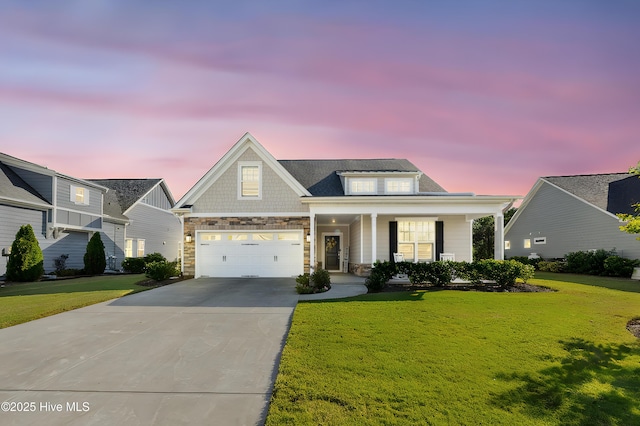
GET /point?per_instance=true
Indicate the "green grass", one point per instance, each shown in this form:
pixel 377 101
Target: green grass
pixel 22 302
pixel 465 358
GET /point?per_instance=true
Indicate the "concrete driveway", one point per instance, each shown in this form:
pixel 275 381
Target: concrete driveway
pixel 198 352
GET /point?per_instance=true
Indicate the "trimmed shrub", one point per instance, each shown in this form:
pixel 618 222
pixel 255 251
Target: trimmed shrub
pixel 26 262
pixel 320 279
pixel 71 272
pixel 134 265
pixel 468 272
pixel 439 273
pixel 526 261
pixel 154 257
pixel 588 262
pixel 161 270
pixel 387 268
pixel 303 279
pixel 60 263
pixel 376 281
pixel 505 272
pixel 617 266
pixel 551 266
pixel 94 259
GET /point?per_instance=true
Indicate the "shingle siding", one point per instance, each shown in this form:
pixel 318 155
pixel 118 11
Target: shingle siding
pixel 568 224
pixel 222 195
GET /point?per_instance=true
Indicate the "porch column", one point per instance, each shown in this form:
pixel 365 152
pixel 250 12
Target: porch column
pixel 374 242
pixel 499 236
pixel 312 242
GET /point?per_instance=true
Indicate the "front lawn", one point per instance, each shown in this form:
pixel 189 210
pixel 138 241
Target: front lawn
pixel 465 358
pixel 22 302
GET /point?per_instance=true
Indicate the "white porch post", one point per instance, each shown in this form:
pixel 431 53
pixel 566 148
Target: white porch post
pixel 499 236
pixel 374 235
pixel 312 242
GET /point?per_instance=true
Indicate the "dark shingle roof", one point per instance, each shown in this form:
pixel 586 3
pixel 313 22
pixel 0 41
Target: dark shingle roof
pixel 12 186
pixel 320 177
pixel 613 192
pixel 127 192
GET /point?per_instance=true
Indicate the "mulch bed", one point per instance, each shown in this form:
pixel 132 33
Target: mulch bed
pixel 634 327
pixel 153 283
pixel 488 287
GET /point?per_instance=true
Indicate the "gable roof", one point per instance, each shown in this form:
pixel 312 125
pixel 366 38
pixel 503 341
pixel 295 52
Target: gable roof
pixel 247 141
pixel 602 190
pixel 128 191
pixel 609 192
pixel 320 177
pixel 14 189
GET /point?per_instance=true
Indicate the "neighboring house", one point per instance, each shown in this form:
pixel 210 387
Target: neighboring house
pixel 563 214
pixel 252 215
pixel 64 211
pixel 138 220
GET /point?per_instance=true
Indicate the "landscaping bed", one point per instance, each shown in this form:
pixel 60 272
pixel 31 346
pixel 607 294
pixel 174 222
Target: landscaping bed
pixel 486 287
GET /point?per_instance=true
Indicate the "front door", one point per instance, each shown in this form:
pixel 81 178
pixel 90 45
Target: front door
pixel 332 252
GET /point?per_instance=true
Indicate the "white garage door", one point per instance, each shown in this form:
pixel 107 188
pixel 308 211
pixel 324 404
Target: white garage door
pixel 256 253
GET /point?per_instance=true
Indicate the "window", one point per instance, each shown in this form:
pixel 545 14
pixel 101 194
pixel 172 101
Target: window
pixel 527 243
pixel 79 195
pixel 398 186
pixel 363 186
pixel 249 177
pixel 140 252
pixel 128 247
pixel 237 237
pixel 416 240
pixel 262 237
pixel 507 245
pixel 289 236
pixel 211 237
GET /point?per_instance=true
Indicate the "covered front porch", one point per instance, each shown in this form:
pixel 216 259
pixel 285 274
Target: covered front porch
pixel 350 235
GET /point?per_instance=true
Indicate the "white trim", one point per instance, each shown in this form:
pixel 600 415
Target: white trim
pixel 361 238
pixel 22 203
pixel 390 180
pixel 374 238
pixel 80 211
pixel 247 214
pixel 324 249
pixel 241 165
pixel 539 240
pixel 247 141
pixel 165 188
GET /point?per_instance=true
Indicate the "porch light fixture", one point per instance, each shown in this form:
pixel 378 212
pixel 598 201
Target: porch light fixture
pixel 308 238
pixel 187 238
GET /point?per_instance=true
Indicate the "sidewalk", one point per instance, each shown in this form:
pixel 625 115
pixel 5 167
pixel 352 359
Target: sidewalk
pixel 342 285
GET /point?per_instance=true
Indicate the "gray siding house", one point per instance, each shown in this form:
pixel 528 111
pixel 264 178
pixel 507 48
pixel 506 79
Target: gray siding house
pixel 138 220
pixel 563 214
pixel 254 215
pixel 63 211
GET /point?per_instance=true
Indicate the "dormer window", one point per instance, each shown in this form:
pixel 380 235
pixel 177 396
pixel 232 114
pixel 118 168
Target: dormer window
pixel 398 186
pixel 250 180
pixel 79 195
pixel 362 186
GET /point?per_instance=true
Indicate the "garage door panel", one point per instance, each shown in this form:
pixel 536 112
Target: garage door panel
pixel 235 254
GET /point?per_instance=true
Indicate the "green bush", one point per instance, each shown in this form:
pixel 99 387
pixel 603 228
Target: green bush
pixel 526 261
pixel 387 268
pixel 617 266
pixel 71 272
pixel 94 259
pixel 26 262
pixel 505 272
pixel 161 270
pixel 467 271
pixel 303 279
pixel 305 289
pixel 320 279
pixel 376 281
pixel 551 266
pixel 154 257
pixel 134 265
pixel 588 262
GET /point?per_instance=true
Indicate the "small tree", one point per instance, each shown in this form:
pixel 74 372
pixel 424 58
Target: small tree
pixel 26 262
pixel 94 259
pixel 632 225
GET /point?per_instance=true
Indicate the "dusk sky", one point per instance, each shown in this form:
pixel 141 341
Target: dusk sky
pixel 483 96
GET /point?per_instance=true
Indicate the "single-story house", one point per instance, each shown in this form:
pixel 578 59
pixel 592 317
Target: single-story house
pixel 563 214
pixel 253 215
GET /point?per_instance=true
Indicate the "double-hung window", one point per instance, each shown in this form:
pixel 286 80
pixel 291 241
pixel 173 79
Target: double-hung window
pixel 416 240
pixel 249 178
pixel 363 186
pixel 128 247
pixel 79 195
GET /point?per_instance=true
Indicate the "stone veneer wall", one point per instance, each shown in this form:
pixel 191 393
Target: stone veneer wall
pixel 193 224
pixel 360 269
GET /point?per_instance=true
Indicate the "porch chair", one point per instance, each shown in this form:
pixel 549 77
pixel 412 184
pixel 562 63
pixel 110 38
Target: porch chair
pixel 448 256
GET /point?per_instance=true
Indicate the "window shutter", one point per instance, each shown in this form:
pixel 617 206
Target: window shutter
pixel 393 239
pixel 439 238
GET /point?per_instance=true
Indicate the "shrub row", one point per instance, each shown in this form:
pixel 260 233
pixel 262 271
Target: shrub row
pixel 503 272
pixel 153 265
pixel 592 262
